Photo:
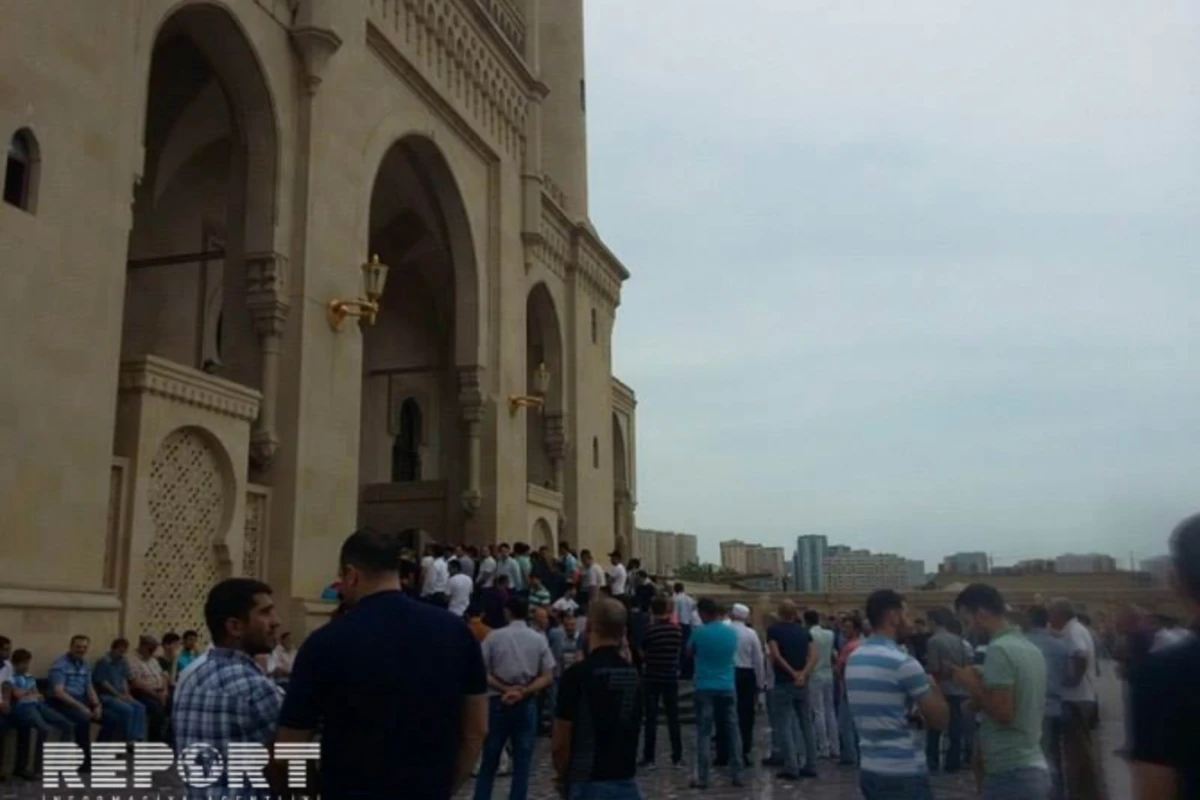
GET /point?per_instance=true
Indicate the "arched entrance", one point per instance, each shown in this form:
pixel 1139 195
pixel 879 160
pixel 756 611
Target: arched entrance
pixel 622 492
pixel 415 453
pixel 544 434
pixel 542 535
pixel 203 313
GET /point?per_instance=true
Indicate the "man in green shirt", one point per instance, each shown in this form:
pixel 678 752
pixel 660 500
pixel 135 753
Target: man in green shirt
pixel 1011 694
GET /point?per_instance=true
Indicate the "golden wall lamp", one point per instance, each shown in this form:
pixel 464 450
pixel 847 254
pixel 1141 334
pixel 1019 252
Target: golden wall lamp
pixel 374 277
pixel 541 385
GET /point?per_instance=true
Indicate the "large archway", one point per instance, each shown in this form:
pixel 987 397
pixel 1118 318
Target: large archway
pixel 543 426
pixel 202 278
pixel 414 458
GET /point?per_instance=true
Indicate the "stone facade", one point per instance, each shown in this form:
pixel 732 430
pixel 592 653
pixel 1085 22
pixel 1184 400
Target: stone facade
pixel 200 180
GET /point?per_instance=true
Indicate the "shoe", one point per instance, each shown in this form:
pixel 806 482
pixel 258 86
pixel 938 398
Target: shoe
pixel 808 773
pixel 737 783
pixel 645 764
pixel 787 776
pixel 697 785
pixel 773 761
pixel 677 763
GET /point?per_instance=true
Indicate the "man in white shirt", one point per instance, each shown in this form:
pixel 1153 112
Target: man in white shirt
pixel 459 589
pixel 685 616
pixel 593 578
pixel 437 577
pixel 820 689
pixel 487 569
pixel 749 676
pixel 1083 775
pixel 617 576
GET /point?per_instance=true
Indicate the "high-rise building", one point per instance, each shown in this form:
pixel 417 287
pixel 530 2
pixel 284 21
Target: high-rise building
pixel 862 571
pixel 663 552
pixel 808 563
pixel 916 573
pixel 1158 567
pixel 966 564
pixel 1084 562
pixel 751 559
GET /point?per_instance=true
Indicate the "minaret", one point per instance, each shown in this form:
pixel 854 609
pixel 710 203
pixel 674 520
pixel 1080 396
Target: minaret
pixel 564 115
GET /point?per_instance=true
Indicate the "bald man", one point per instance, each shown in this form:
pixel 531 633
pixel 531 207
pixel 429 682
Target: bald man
pixel 596 722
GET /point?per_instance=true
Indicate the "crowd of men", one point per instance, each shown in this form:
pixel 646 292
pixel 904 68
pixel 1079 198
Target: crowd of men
pixel 422 680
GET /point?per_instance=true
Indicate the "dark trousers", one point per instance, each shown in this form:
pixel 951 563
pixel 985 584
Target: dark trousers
pixel 954 732
pixel 668 692
pixel 1084 777
pixel 157 729
pixel 747 693
pixel 687 666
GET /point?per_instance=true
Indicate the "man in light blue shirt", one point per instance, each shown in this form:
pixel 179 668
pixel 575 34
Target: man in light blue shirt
pixel 1058 658
pixel 714 647
pixel 884 686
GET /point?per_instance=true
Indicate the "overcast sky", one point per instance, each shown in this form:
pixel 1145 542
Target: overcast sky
pixel 921 276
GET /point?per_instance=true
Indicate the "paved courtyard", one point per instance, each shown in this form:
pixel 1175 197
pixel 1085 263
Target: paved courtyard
pixel 834 782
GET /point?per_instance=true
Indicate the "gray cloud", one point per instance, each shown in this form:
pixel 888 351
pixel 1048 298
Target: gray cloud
pixel 920 276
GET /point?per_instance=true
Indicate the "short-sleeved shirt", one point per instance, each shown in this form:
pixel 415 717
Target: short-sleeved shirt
pixel 715 646
pixel 601 699
pixel 387 683
pixel 1054 652
pixel 73 675
pixel 823 641
pixel 945 651
pixel 1165 698
pixel 661 646
pixel 883 683
pixel 224 698
pixel 147 671
pixel 516 654
pixel 793 641
pixel 616 579
pixel 1079 641
pixel 110 670
pixel 1015 663
pixel 25 683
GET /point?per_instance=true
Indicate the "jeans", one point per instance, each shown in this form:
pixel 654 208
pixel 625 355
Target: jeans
pixel 895 787
pixel 129 718
pixel 1052 747
pixel 954 732
pixel 83 724
pixel 668 692
pixel 44 721
pixel 849 734
pixel 1027 783
pixel 1083 777
pixel 777 720
pixel 715 707
pixel 795 712
pixel 606 790
pixel 517 722
pixel 820 695
pixel 156 716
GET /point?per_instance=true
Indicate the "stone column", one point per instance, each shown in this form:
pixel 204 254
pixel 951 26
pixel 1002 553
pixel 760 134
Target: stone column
pixel 266 297
pixel 470 404
pixel 555 433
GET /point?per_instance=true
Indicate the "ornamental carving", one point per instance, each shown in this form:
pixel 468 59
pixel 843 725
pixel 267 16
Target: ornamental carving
pixel 188 506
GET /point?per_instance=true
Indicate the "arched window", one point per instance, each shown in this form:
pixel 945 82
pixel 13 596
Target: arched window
pixel 20 170
pixel 406 452
pixel 596 452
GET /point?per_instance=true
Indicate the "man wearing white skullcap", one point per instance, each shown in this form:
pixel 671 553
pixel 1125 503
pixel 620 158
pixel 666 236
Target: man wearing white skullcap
pixel 749 677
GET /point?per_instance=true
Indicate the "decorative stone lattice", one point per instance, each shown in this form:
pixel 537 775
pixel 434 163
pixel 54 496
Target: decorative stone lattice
pixel 256 523
pixel 187 504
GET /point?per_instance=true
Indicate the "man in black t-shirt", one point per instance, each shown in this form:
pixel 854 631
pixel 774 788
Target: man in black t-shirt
pixel 599 703
pixel 1165 694
pixel 397 687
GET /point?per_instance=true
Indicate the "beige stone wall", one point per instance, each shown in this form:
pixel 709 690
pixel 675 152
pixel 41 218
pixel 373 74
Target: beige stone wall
pixel 318 102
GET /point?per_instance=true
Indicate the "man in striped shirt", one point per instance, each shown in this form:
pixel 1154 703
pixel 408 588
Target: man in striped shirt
pixel 660 648
pixel 884 684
